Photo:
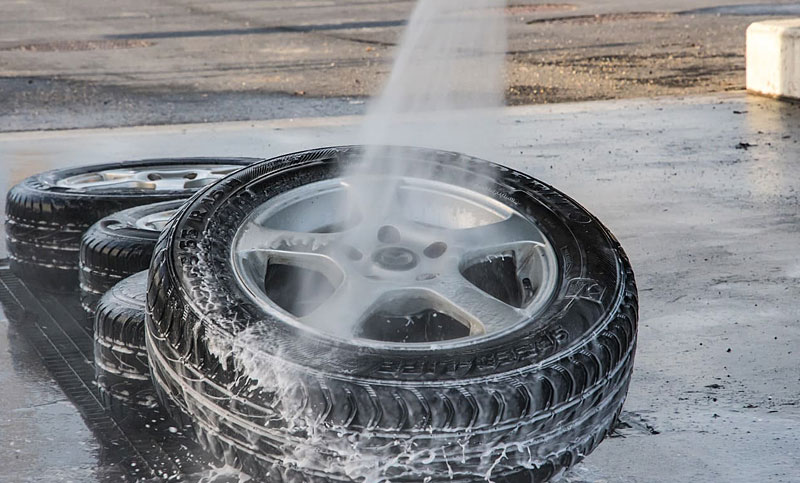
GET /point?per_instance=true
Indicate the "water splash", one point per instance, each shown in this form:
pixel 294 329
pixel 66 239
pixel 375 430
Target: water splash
pixel 445 91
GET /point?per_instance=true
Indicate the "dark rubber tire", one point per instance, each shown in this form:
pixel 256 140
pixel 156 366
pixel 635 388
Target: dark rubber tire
pixel 44 221
pixel 520 407
pixel 120 354
pixel 115 248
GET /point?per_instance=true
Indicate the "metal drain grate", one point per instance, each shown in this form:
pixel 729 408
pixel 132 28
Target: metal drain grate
pixel 137 444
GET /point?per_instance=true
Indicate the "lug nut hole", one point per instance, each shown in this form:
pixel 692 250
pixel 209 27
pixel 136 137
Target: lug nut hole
pixel 388 234
pixel 353 254
pixel 395 258
pixel 435 249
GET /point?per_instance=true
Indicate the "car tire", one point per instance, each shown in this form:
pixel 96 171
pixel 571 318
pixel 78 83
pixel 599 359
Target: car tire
pixel 46 215
pixel 120 355
pixel 118 246
pixel 284 404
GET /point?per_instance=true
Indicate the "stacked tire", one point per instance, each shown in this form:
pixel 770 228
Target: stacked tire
pixel 114 258
pixel 118 246
pixel 47 214
pixel 120 356
pixel 55 241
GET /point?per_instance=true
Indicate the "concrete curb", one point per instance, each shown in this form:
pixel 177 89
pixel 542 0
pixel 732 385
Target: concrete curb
pixel 773 58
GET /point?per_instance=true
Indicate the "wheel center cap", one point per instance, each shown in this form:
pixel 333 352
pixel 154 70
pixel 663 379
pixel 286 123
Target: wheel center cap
pixel 395 258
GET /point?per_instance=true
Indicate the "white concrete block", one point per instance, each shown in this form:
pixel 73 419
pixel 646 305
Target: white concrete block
pixel 773 58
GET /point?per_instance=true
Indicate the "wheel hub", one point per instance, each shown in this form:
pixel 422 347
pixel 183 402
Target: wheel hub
pixel 397 259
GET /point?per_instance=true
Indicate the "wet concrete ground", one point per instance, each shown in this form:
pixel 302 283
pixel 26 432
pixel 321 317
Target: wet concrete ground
pixel 42 436
pixel 704 195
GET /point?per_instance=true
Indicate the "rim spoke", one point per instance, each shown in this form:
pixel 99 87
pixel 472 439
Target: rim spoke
pixel 257 237
pixel 219 172
pixel 156 221
pixel 511 230
pixel 121 183
pixel 464 301
pixel 309 261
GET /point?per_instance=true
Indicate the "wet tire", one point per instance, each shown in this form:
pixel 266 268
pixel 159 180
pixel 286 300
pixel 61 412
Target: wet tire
pixel 120 355
pixel 285 404
pixel 115 248
pixel 45 220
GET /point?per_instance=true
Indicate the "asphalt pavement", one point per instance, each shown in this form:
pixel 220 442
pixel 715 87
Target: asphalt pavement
pixel 99 63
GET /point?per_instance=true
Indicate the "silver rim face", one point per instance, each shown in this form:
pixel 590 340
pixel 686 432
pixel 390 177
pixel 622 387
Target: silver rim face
pixel 157 178
pixel 155 221
pixel 450 268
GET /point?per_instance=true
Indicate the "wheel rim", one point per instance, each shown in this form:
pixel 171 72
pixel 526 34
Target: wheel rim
pixel 157 178
pixel 454 265
pixel 156 221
